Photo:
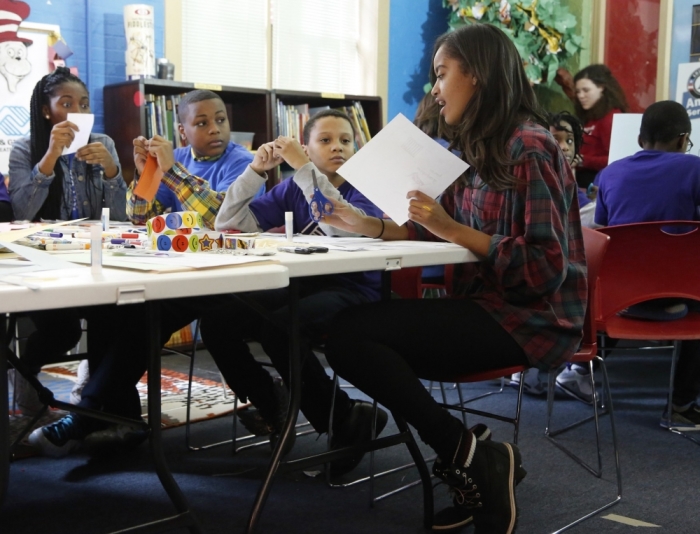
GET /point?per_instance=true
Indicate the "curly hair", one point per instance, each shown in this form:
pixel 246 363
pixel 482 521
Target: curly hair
pixel 558 120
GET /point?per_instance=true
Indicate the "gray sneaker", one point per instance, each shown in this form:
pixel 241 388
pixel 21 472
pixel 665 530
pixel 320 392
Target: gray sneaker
pixel 575 381
pixel 687 419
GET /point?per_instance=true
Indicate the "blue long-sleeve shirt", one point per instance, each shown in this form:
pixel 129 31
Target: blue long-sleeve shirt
pixel 29 187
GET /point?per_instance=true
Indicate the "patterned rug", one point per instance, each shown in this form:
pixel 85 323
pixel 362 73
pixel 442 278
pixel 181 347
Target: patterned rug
pixel 209 398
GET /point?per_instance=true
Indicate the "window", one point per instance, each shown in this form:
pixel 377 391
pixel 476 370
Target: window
pixel 302 45
pixel 228 48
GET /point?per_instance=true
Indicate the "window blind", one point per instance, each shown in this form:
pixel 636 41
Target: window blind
pixel 225 42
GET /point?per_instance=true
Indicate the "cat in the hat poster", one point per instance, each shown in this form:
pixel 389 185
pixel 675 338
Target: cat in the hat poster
pixel 23 61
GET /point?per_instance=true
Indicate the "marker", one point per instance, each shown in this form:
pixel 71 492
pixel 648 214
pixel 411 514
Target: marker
pixel 130 236
pixel 49 234
pixel 67 246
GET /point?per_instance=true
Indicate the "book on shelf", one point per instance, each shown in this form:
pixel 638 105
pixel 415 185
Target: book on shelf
pixel 161 117
pixel 291 120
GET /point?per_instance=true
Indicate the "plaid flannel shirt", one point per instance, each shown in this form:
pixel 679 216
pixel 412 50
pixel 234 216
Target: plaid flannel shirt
pixel 192 191
pixel 533 281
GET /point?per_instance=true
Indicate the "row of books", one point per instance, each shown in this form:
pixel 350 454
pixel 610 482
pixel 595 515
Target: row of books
pixel 291 120
pixel 161 117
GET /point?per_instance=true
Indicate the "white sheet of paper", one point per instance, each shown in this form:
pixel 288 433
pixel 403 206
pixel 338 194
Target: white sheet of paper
pixel 625 131
pixel 40 258
pixel 399 159
pixel 84 122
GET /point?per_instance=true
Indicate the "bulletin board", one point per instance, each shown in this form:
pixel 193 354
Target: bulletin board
pixel 16 90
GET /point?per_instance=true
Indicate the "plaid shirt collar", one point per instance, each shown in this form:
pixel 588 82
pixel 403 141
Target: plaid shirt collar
pixel 204 158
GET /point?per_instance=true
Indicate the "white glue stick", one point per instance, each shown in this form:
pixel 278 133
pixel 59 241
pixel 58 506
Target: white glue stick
pixel 96 249
pixel 105 219
pixel 289 225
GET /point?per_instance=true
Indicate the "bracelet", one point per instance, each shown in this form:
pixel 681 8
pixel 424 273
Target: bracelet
pixel 382 232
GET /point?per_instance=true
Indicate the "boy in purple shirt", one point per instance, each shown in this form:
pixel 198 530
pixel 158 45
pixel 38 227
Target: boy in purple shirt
pixel 329 142
pixel 659 183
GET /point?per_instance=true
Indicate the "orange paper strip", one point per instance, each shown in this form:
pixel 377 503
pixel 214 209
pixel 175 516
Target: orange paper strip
pixel 149 181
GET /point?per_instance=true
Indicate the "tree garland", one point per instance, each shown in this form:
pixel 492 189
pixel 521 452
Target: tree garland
pixel 542 30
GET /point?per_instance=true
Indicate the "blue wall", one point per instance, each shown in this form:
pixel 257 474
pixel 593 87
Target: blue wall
pixel 413 27
pixel 94 31
pixel 680 39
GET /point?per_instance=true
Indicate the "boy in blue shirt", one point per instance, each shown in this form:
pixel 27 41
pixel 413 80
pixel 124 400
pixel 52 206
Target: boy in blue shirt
pixel 195 177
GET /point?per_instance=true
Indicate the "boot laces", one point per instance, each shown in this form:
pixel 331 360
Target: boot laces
pixel 467 496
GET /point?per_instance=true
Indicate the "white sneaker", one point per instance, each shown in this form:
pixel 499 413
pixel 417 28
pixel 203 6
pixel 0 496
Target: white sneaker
pixel 83 377
pixel 533 384
pixel 575 381
pixel 25 396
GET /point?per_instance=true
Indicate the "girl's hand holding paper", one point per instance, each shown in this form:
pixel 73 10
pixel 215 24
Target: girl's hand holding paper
pixel 428 213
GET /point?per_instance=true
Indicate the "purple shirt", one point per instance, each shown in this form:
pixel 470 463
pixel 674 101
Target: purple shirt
pixel 4 195
pixel 286 196
pixel 650 185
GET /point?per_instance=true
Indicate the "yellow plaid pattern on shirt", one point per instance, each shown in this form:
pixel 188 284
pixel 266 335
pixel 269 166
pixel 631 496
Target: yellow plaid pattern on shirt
pixel 192 191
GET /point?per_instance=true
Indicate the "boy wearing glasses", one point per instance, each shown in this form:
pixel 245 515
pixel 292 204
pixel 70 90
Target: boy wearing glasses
pixel 659 183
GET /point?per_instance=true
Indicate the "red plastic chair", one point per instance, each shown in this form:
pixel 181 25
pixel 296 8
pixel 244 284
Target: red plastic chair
pixel 646 262
pixel 597 246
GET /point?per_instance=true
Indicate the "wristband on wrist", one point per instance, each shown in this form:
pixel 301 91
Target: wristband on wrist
pixel 382 232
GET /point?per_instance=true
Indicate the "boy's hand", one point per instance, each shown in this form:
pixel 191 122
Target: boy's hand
pixel 292 152
pixel 140 153
pixel 265 159
pixel 343 217
pixel 62 135
pixel 162 149
pixel 97 154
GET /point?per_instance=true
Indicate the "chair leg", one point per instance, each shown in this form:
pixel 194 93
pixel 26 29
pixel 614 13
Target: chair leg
pixel 549 434
pixel 669 425
pixel 372 474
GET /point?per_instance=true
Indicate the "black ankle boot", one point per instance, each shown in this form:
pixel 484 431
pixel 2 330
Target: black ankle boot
pixel 486 488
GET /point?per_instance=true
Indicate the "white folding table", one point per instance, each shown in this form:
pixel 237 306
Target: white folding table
pixel 78 287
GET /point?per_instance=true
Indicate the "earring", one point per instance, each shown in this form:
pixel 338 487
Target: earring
pixel 47 116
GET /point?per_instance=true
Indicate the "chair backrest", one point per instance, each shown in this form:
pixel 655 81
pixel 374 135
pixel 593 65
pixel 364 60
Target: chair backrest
pixel 595 244
pixel 645 262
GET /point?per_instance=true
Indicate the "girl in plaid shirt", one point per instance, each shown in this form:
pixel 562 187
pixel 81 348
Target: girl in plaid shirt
pixel 523 304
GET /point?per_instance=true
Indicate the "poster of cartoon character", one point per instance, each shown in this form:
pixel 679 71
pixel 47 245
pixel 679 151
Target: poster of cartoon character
pixel 23 62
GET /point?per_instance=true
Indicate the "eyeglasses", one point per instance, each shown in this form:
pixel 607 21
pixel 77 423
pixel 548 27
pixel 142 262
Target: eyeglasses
pixel 690 143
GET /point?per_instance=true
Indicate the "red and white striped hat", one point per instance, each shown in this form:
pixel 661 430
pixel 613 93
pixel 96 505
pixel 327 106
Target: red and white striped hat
pixel 11 16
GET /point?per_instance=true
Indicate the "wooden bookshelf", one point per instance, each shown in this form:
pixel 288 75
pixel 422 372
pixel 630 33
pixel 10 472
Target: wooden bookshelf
pixel 249 110
pixel 125 112
pixel 372 105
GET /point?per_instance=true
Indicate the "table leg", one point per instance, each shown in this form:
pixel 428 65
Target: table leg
pixel 294 385
pixel 185 514
pixel 4 417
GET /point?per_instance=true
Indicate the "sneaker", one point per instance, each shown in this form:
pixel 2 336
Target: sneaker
pixel 356 429
pixel 533 384
pixel 575 381
pixel 61 438
pixel 253 421
pixel 115 437
pixel 682 419
pixel 83 377
pixel 269 421
pixel 25 396
pixel 487 487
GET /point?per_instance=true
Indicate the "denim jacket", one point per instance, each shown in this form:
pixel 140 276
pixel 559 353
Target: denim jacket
pixel 29 187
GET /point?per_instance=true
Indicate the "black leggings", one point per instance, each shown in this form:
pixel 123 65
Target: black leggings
pixel 385 347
